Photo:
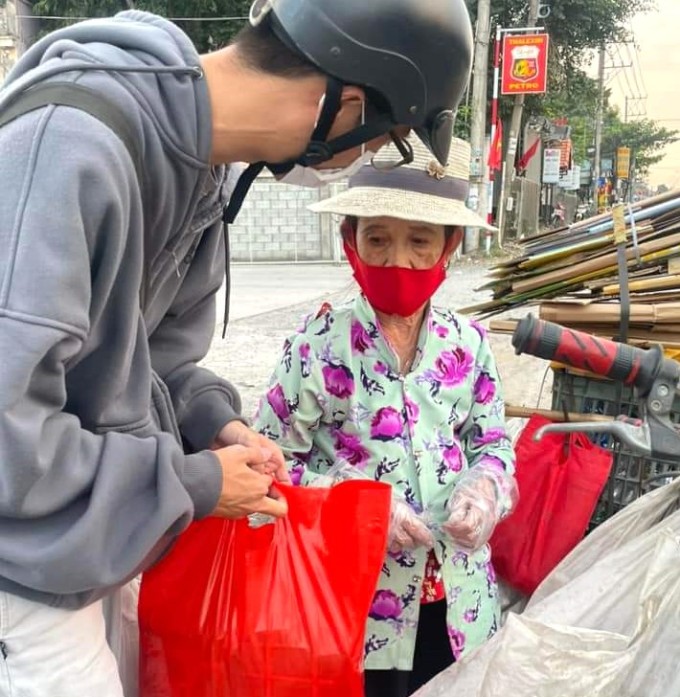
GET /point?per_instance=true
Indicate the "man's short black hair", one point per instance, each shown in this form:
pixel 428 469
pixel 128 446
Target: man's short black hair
pixel 261 50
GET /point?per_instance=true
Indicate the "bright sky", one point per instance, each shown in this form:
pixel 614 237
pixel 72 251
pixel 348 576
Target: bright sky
pixel 658 56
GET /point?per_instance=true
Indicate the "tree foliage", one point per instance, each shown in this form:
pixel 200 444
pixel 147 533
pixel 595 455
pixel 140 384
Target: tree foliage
pixel 644 137
pixel 207 35
pixel 575 26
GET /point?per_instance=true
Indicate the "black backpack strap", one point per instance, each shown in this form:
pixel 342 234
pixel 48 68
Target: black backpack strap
pixel 79 97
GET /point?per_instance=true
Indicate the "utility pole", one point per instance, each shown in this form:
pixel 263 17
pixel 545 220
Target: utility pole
pixel 478 194
pixel 513 135
pixel 598 121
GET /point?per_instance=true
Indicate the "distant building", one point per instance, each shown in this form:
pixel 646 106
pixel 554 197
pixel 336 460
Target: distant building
pixel 17 29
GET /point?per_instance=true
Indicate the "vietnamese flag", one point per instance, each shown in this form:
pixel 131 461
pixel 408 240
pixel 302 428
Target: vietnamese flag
pixel 528 155
pixel 496 151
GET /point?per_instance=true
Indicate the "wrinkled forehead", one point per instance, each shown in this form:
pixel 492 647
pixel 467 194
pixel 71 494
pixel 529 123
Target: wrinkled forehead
pixel 397 226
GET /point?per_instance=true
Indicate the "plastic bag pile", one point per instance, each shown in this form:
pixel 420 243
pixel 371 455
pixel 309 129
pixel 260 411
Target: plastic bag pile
pixel 605 622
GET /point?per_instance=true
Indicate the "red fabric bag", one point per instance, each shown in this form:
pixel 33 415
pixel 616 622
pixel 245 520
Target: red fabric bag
pixel 560 479
pixel 278 611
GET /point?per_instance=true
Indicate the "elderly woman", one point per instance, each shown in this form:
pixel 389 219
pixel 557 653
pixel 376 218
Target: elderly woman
pixel 408 393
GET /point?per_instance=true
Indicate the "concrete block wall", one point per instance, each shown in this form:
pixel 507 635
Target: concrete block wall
pixel 275 225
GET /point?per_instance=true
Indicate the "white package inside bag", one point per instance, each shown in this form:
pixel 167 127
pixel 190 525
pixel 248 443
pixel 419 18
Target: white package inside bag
pixel 606 622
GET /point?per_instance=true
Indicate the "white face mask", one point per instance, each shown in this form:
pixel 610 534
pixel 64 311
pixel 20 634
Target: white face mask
pixel 314 178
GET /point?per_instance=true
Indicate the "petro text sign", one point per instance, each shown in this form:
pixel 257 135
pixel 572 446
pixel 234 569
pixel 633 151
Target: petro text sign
pixel 525 64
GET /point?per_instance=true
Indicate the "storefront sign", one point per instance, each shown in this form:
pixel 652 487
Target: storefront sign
pixel 525 64
pixel 622 163
pixel 551 165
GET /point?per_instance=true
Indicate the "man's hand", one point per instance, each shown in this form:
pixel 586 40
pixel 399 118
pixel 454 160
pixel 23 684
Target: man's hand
pixel 237 433
pixel 244 490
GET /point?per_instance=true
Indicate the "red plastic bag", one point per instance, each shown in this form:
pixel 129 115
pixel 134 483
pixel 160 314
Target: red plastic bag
pixel 278 611
pixel 560 479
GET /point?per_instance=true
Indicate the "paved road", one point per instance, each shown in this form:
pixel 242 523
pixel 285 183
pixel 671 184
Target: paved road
pixel 268 302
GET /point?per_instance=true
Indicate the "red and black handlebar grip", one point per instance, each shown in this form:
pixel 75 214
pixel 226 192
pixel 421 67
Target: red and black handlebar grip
pixel 620 362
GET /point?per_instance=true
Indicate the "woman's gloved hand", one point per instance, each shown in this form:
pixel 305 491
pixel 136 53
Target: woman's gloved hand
pixel 407 529
pixel 482 497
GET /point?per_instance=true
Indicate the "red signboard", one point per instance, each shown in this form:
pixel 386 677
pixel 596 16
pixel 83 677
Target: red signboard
pixel 525 64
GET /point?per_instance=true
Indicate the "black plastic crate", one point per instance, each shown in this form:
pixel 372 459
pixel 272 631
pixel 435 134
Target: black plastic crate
pixel 632 475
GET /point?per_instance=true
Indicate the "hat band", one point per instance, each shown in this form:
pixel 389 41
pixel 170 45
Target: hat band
pixel 413 180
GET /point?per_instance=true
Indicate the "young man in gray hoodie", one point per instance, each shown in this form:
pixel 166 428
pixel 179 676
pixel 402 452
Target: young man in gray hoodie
pixel 112 247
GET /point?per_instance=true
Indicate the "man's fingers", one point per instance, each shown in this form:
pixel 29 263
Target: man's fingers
pixel 277 455
pixel 275 494
pixel 281 474
pixel 264 468
pixel 274 507
pixel 247 455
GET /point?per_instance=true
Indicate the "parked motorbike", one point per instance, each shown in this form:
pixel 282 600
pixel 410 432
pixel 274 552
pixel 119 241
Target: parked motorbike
pixel 557 219
pixel 582 212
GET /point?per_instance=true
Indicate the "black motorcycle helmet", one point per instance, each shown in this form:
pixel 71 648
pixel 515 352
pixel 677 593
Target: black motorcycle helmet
pixel 413 58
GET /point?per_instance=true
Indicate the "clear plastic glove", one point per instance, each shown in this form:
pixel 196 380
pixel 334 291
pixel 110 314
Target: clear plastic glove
pixel 407 529
pixel 483 496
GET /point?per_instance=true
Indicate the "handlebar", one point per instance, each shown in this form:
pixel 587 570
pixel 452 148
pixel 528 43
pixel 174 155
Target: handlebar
pixel 656 378
pixel 619 362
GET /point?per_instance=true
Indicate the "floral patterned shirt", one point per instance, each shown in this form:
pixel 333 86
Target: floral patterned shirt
pixel 338 393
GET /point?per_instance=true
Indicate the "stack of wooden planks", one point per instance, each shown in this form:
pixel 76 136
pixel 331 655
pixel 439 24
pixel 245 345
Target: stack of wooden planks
pixel 572 274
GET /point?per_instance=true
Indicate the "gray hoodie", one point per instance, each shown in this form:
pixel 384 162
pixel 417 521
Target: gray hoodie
pixel 107 286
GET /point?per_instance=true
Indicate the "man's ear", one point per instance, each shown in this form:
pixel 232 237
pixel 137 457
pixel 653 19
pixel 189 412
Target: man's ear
pixel 352 100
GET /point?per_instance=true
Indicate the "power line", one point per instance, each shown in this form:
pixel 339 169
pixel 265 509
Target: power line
pixel 637 59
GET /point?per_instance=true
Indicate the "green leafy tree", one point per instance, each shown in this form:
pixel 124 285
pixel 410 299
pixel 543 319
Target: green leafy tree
pixel 646 139
pixel 576 27
pixel 207 35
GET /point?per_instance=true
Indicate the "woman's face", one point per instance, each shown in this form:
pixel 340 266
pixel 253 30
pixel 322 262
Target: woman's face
pixel 388 241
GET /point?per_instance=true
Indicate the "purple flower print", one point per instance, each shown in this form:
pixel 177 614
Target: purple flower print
pixel 453 458
pixel 296 473
pixel 457 639
pixel 387 605
pixel 348 447
pixel 412 412
pixel 478 328
pixel 493 461
pixel 361 339
pixel 380 368
pixel 277 401
pixel 338 380
pixel 452 367
pixel 387 424
pixel 305 360
pixel 471 615
pixel 491 579
pixel 485 388
pixel 441 331
pixel 489 437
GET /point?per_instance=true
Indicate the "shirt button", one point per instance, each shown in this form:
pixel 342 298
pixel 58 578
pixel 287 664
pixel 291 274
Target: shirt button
pixel 417 579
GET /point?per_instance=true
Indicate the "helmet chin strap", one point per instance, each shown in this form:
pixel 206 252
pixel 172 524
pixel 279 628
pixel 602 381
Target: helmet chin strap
pixel 318 150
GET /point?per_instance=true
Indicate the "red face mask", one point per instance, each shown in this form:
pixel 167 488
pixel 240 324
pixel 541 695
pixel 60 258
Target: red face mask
pixel 395 290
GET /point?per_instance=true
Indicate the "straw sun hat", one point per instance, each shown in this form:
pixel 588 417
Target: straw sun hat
pixel 422 191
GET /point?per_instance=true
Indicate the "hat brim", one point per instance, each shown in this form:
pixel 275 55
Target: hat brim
pixel 375 202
